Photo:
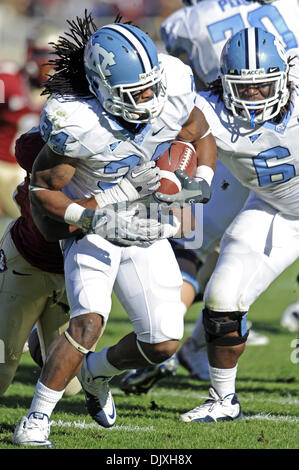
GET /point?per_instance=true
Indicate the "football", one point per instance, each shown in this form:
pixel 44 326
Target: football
pixel 179 156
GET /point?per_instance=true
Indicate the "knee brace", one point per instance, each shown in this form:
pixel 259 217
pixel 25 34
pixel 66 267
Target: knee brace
pixel 217 327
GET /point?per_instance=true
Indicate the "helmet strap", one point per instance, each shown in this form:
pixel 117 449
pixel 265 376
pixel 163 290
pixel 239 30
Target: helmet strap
pixel 252 117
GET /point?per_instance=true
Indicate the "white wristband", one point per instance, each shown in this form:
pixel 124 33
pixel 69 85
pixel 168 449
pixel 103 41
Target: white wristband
pixel 205 172
pixel 206 133
pixel 73 214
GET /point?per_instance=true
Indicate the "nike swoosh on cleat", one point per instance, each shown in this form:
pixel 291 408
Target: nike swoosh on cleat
pixel 111 416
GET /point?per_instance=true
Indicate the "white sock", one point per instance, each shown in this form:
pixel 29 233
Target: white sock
pixel 44 399
pixel 223 380
pixel 198 334
pixel 99 366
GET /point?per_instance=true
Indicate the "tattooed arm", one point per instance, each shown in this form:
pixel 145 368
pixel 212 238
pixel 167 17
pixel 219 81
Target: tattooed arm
pixel 50 173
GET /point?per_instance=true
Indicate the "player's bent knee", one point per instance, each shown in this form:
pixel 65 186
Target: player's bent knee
pixel 159 352
pixel 84 330
pixel 225 328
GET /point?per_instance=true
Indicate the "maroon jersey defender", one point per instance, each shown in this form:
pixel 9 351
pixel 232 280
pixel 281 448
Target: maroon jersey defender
pixel 26 237
pixel 31 279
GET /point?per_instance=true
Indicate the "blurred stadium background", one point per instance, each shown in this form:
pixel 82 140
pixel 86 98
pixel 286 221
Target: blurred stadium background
pixel 19 18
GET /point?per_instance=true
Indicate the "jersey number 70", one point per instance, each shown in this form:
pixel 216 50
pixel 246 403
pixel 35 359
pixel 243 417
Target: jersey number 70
pixel 235 23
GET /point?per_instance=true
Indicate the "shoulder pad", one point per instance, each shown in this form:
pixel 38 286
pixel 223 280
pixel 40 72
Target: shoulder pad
pixel 71 127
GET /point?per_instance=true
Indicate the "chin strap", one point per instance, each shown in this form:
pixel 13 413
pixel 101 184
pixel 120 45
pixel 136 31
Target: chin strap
pixel 252 117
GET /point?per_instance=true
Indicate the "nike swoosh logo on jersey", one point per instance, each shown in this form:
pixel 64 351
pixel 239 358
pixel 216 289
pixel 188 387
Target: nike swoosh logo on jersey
pixel 157 132
pixel 21 274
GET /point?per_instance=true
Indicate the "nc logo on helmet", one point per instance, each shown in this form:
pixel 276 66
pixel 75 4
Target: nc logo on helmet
pixel 108 59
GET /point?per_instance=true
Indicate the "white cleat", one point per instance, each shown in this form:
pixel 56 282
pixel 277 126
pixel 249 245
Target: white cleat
pixel 215 409
pixel 194 359
pixel 99 400
pixel 290 318
pixel 33 431
pixel 255 338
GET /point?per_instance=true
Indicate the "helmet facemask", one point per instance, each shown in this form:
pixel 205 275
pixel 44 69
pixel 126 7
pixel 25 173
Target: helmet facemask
pixel 122 99
pixel 254 73
pixel 260 110
pixel 121 62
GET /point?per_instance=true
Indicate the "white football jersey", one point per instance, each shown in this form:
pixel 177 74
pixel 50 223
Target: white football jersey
pixel 265 158
pixel 202 30
pixel 104 150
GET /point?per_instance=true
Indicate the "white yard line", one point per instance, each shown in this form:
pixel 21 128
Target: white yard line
pixel 269 417
pixel 84 425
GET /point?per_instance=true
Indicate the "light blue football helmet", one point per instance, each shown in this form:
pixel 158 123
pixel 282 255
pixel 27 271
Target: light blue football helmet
pixel 254 56
pixel 120 62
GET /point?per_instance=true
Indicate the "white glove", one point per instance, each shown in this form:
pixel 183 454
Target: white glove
pixel 139 182
pixel 144 178
pixel 169 230
pixel 128 226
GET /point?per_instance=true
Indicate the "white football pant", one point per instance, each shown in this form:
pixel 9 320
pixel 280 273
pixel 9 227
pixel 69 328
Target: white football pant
pixel 147 282
pixel 258 246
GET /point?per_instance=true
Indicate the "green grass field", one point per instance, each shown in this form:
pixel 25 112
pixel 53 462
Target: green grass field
pixel 267 386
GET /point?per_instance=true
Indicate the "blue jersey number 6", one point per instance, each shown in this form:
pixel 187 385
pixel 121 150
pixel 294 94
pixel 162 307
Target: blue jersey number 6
pixel 270 170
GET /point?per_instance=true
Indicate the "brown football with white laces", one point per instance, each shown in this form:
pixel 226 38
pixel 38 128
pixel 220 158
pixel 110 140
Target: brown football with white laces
pixel 179 156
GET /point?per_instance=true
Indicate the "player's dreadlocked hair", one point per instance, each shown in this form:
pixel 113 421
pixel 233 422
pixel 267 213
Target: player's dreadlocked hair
pixel 69 77
pixel 216 89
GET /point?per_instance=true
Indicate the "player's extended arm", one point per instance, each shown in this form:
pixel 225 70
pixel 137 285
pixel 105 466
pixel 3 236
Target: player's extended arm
pixel 52 172
pixel 195 190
